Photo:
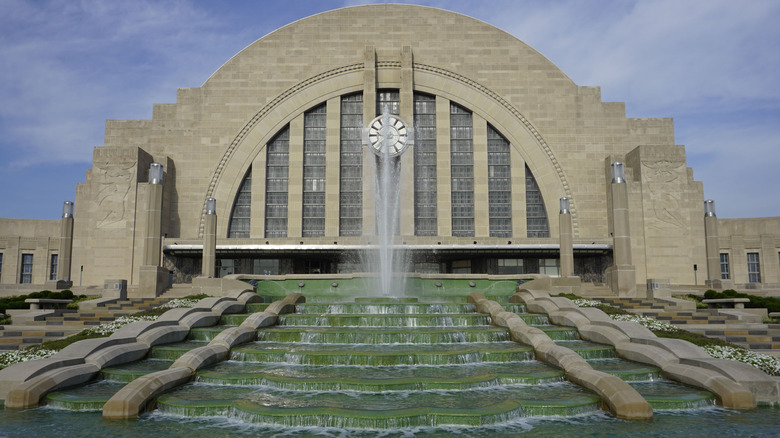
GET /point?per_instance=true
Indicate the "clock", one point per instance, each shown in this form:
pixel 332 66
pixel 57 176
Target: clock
pixel 388 134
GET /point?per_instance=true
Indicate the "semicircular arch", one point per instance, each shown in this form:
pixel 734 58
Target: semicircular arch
pixel 522 135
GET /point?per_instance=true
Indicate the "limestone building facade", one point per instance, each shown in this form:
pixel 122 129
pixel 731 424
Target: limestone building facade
pixel 276 137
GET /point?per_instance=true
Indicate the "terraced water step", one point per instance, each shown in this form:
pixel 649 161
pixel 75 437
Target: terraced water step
pixel 379 410
pixel 90 397
pixel 560 333
pixel 627 370
pixel 377 309
pixel 384 335
pixel 128 372
pixel 385 320
pixel 379 378
pixel 365 335
pixel 589 350
pixel 382 354
pixel 175 350
pixel 671 395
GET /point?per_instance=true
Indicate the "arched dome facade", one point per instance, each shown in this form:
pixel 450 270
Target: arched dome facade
pixel 275 135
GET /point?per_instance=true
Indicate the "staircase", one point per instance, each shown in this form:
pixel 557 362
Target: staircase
pixel 69 322
pixel 762 338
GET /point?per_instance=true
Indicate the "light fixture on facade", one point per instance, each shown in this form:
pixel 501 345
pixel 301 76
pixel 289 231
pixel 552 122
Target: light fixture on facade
pixel 709 208
pixel 618 173
pixel 155 173
pixel 211 206
pixel 67 209
pixel 565 205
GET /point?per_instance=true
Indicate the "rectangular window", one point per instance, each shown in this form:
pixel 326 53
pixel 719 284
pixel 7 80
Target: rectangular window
pixel 725 272
pixel 550 267
pixel 53 267
pixel 276 183
pixel 425 195
pixel 314 133
pixel 754 268
pixel 510 266
pixel 27 268
pixel 1 266
pixel 265 266
pixel 461 266
pixel 351 166
pixel 462 171
pixel 499 185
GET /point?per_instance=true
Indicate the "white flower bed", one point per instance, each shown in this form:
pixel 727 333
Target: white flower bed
pixel 178 302
pixel 107 328
pixel 768 364
pixel 651 323
pixel 8 358
pixel 582 302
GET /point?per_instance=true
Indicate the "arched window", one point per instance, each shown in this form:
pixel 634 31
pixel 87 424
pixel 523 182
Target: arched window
pixel 276 179
pixel 314 133
pixel 462 170
pixel 425 183
pixel 536 214
pixel 242 209
pixel 351 167
pixel 499 184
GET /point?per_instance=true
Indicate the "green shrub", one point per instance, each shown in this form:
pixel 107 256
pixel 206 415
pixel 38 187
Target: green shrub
pixel 17 301
pixel 772 304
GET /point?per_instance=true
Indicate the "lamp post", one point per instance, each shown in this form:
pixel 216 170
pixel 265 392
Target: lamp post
pixel 566 241
pixel 622 274
pixel 210 239
pixel 65 252
pixel 712 245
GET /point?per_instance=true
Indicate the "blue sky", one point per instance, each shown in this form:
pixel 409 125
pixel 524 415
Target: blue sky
pixel 68 65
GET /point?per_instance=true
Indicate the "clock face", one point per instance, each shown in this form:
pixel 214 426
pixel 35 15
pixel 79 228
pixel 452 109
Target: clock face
pixel 388 135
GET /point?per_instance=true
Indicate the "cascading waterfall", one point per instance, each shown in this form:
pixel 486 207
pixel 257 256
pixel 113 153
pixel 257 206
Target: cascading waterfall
pixel 350 365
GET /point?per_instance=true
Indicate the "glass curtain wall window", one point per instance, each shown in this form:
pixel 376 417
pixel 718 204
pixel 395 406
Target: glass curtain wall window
pixel 238 227
pixel 536 214
pixel 425 200
pixel 53 267
pixel 462 169
pixel 499 184
pixel 725 272
pixel 754 268
pixel 314 133
pixel 27 268
pixel 276 183
pixel 351 166
pixel 390 99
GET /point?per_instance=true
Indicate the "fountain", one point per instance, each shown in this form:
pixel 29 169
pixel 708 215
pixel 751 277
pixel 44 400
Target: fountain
pixel 425 364
pixel 361 367
pixel 388 137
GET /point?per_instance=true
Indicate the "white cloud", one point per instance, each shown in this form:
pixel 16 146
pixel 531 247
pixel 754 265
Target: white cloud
pixel 66 66
pixel 70 65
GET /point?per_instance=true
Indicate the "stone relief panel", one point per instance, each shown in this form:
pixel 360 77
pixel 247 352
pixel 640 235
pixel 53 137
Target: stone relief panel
pixel 114 182
pixel 666 184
